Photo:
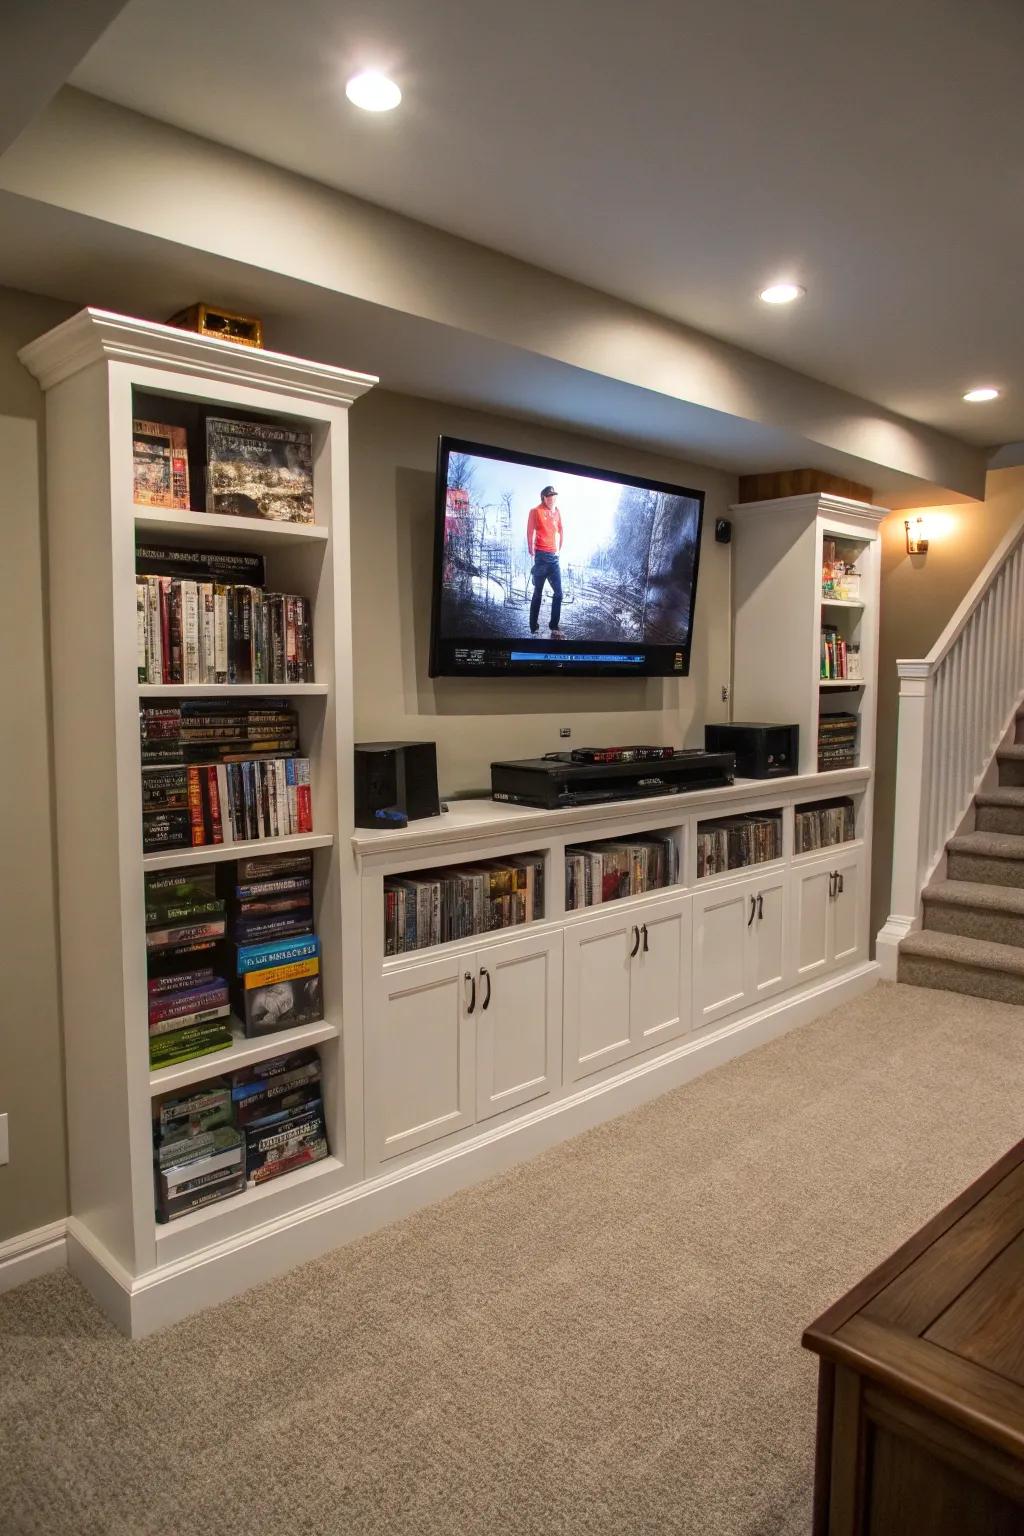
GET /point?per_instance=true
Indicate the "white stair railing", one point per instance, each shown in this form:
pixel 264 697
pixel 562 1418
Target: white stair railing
pixel 955 707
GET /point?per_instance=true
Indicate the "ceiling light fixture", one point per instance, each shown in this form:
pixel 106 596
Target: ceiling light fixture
pixel 373 92
pixel 782 293
pixel 984 392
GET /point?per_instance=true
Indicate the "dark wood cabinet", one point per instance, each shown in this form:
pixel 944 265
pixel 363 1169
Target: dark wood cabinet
pixel 921 1381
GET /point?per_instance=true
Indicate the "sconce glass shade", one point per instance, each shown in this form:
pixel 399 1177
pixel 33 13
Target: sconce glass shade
pixel 917 536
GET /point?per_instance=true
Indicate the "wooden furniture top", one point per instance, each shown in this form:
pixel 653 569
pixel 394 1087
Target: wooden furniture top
pixel 942 1320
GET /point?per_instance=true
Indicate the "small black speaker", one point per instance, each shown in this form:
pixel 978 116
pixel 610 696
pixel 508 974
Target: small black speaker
pixel 395 782
pixel 723 530
pixel 761 751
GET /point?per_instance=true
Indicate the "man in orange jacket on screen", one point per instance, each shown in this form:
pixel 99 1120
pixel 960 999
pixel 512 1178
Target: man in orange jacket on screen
pixel 544 540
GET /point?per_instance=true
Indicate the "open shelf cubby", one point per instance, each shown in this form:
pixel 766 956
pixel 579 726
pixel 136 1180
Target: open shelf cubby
pixel 610 869
pixel 427 908
pixel 737 842
pixel 823 823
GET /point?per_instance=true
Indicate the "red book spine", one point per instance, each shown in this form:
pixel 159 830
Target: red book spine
pixel 195 807
pixel 213 797
pixel 165 628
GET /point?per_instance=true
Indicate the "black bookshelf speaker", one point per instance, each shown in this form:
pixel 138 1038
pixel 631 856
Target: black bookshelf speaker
pixel 395 782
pixel 762 751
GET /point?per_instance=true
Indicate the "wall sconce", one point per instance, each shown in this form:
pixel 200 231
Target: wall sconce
pixel 917 536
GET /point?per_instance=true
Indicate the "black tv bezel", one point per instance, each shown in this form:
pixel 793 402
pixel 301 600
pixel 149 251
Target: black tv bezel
pixel 655 663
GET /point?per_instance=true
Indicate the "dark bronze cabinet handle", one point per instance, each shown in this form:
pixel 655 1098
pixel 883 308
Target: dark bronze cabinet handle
pixel 643 930
pixel 636 941
pixel 831 884
pixel 472 991
pixel 842 882
pixel 760 906
pixel 485 976
pixel 753 909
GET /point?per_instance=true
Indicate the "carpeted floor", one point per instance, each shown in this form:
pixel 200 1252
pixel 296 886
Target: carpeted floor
pixel 604 1341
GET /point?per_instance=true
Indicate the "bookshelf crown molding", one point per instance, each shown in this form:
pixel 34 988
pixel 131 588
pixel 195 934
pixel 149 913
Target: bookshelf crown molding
pixel 98 335
pixel 813 503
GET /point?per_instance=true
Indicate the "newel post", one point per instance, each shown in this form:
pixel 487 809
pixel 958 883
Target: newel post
pixel 913 791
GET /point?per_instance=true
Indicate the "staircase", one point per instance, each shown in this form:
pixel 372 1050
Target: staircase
pixel 973 934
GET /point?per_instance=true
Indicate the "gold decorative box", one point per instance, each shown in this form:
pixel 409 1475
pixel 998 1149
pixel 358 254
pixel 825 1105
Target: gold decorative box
pixel 209 320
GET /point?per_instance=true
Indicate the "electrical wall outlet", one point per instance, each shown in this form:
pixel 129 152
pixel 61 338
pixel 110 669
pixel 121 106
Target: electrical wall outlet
pixel 725 693
pixel 565 732
pixel 5 1155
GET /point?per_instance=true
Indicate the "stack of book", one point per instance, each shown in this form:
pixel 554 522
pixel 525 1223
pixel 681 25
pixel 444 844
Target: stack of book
pixel 605 871
pixel 196 626
pixel 837 742
pixel 279 1110
pixel 243 1128
pixel 276 981
pixel 732 842
pixel 439 905
pixel 823 823
pixel 188 999
pixel 221 772
pixel 198 1152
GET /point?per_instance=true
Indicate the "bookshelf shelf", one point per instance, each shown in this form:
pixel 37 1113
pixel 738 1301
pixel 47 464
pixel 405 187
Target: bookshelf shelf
pixel 243 1053
pixel 212 528
pixel 839 682
pixel 215 854
pixel 841 602
pixel 233 690
pixel 293 1189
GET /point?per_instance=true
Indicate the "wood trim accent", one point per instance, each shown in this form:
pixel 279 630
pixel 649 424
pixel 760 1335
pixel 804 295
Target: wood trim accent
pixel 944 1441
pixel 818 1336
pixel 800 482
pixel 965 1394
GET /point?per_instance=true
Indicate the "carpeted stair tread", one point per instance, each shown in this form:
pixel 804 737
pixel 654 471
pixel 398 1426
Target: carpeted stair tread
pixel 1014 753
pixel 990 845
pixel 1002 794
pixel 981 954
pixel 970 893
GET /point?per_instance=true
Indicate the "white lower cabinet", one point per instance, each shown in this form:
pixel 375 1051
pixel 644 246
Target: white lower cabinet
pixel 459 1039
pixel 627 983
pixel 827 899
pixel 740 945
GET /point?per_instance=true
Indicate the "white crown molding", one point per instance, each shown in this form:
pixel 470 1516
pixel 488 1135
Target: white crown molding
pixel 818 503
pixel 95 335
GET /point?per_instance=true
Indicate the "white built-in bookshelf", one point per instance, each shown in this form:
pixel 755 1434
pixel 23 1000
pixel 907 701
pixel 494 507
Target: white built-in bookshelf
pixel 779 611
pixel 441 1064
pixel 92 368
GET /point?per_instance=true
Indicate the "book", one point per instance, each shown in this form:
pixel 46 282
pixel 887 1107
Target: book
pixel 267 1001
pixel 259 469
pixel 216 565
pixel 160 465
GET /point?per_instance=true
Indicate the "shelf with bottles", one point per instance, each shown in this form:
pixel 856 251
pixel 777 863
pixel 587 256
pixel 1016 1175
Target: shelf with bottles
pixel 841 579
pixel 612 869
pixel 728 843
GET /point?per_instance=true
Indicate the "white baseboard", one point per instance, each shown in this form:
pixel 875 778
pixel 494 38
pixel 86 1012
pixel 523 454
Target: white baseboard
pixel 139 1306
pixel 32 1253
pixel 887 943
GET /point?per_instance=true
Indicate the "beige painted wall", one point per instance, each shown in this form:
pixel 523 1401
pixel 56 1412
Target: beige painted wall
pixel 394 447
pixel 919 596
pixel 33 1186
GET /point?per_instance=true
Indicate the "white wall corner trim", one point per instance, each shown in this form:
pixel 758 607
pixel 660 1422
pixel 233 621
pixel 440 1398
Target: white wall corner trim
pixel 31 1254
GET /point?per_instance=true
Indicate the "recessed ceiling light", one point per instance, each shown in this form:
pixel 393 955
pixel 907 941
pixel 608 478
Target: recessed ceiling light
pixel 373 92
pixel 782 293
pixel 986 392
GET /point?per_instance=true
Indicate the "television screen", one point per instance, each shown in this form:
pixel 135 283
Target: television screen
pixel 542 566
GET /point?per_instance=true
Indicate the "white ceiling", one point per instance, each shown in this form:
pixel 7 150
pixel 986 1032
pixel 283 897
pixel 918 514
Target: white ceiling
pixel 677 154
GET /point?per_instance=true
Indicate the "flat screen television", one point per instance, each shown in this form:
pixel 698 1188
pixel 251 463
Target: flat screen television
pixel 546 567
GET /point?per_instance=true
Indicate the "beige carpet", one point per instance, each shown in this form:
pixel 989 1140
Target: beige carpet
pixel 603 1341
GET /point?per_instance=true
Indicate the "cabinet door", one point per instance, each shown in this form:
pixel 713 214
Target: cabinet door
pixel 518 1022
pixel 812 917
pixel 659 998
pixel 420 1049
pixel 596 1020
pixel 845 941
pixel 721 980
pixel 769 950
